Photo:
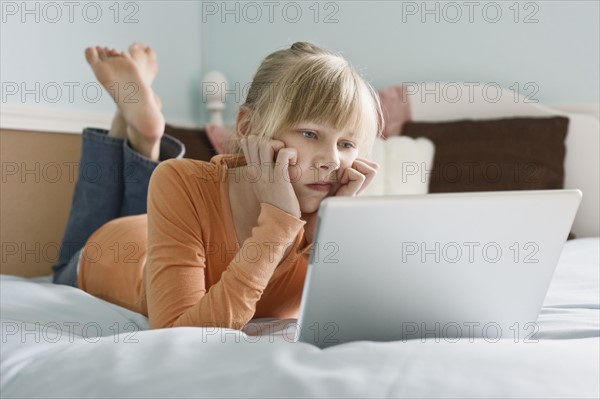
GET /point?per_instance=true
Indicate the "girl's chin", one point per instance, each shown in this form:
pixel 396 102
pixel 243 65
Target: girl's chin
pixel 312 205
pixel 309 206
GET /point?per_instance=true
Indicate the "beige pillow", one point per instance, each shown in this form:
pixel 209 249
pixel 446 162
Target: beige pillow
pixel 402 161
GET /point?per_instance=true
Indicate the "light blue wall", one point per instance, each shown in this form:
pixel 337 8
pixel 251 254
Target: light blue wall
pixel 48 52
pixel 559 53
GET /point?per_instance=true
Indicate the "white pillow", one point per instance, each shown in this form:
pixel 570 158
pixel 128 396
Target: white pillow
pixel 405 166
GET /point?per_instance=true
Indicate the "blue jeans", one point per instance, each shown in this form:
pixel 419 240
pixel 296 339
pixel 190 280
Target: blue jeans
pixel 112 182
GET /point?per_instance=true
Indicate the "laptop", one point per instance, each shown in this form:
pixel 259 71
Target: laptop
pixel 435 266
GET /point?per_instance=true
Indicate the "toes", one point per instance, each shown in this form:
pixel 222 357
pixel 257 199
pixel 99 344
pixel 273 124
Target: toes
pixel 91 55
pixel 101 53
pixel 113 52
pixel 151 52
pixel 136 47
pixel 96 54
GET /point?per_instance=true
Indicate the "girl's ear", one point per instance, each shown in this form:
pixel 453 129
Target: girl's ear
pixel 242 123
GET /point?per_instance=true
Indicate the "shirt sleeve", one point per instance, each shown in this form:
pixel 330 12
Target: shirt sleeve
pixel 176 265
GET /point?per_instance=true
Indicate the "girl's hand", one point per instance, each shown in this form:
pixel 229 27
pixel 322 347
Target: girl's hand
pixel 270 178
pixel 357 177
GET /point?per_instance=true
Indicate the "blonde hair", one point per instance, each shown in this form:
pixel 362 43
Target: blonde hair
pixel 307 83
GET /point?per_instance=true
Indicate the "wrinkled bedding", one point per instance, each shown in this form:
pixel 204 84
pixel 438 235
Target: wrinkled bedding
pixel 59 341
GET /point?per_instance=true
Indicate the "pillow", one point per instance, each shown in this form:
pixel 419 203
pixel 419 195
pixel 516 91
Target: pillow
pixel 197 144
pixel 495 154
pixel 400 159
pixel 396 109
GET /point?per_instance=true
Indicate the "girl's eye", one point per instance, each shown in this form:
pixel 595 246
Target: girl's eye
pixel 348 145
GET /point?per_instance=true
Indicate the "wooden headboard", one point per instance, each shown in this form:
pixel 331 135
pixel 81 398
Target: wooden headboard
pixel 39 170
pixel 38 176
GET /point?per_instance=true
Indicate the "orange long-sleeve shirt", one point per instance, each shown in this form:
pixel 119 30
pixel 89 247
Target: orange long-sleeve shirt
pixel 181 264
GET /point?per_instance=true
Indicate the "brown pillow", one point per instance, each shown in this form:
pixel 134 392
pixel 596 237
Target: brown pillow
pixel 495 154
pixel 197 144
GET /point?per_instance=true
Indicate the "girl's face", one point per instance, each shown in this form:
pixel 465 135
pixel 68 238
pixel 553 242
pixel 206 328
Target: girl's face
pixel 323 155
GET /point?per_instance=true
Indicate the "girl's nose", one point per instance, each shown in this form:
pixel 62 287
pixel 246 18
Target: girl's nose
pixel 326 165
pixel 327 159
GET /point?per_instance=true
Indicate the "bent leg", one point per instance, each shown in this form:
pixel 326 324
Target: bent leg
pixel 115 168
pixel 137 171
pixel 120 189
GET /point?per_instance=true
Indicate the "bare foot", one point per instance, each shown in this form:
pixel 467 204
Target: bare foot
pixel 127 77
pixel 119 127
pixel 145 58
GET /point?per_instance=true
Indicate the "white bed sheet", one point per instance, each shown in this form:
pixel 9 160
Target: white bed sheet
pixel 51 348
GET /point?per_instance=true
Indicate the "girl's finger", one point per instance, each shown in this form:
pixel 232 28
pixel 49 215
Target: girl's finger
pixel 365 166
pixel 344 179
pixel 253 158
pixel 285 157
pixel 372 164
pixel 253 150
pixel 368 170
pixel 355 181
pixel 268 149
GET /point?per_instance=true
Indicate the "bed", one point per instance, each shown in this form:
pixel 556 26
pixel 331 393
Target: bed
pixel 58 341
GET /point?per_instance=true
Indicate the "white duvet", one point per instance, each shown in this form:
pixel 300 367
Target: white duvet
pixel 58 341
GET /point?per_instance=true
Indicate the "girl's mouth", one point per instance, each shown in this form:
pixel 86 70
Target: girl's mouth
pixel 324 187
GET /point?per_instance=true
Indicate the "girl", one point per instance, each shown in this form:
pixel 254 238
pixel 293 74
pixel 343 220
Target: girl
pixel 228 240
